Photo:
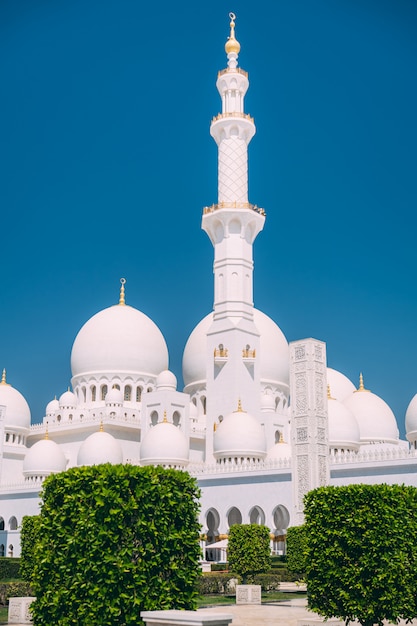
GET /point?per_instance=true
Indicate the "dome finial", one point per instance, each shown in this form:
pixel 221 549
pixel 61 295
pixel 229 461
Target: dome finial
pixel 3 378
pixel 47 431
pixel 329 393
pixel 165 417
pixel 361 383
pixel 239 407
pixel 122 291
pixel 232 46
pixel 101 426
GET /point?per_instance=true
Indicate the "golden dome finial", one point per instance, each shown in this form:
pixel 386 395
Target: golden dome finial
pixel 3 377
pixel 122 291
pixel 101 430
pixel 361 383
pixel 165 417
pixel 239 407
pixel 281 438
pixel 232 45
pixel 47 431
pixel 329 393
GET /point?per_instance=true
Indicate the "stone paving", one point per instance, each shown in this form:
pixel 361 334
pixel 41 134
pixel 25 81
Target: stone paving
pixel 278 614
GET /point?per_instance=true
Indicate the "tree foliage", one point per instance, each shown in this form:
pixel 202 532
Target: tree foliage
pixel 249 550
pixel 114 540
pixel 28 537
pixel 296 550
pixel 361 552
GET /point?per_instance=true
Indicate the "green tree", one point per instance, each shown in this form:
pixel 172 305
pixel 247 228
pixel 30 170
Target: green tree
pixel 296 550
pixel 28 537
pixel 249 550
pixel 361 552
pixel 114 540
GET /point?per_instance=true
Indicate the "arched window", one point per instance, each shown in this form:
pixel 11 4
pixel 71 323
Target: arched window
pixel 13 523
pixel 176 417
pixel 116 387
pixel 93 393
pixel 149 389
pixel 277 436
pixel 103 392
pixel 213 522
pixel 234 516
pixel 203 403
pixel 257 516
pixel 138 394
pixel 2 549
pixel 128 393
pixel 70 417
pixel 84 394
pixel 154 418
pixel 1 523
pixel 58 418
pixel 281 517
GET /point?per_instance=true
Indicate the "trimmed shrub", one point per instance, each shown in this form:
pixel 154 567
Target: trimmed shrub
pixel 213 583
pixel 219 567
pixel 13 589
pixel 9 567
pixel 296 550
pixel 361 552
pixel 114 540
pixel 28 536
pixel 249 550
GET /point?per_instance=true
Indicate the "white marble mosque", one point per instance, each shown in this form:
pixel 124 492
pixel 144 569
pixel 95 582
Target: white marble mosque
pixel 259 421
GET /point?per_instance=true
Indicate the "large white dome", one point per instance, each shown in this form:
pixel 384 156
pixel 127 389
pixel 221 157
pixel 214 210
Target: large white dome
pixel 344 431
pixel 375 419
pixel 43 458
pixel 100 448
pixel 411 420
pixel 119 339
pixel 274 351
pixel 340 385
pixel 239 435
pixel 164 444
pixel 17 409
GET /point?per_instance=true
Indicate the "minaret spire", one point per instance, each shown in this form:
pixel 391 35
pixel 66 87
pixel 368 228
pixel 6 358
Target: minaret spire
pixel 233 223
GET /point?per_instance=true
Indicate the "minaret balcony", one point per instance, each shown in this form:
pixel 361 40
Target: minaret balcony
pixel 230 70
pixel 248 355
pixel 233 205
pixel 221 116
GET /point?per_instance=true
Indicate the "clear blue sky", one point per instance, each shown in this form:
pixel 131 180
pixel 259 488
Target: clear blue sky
pixel 106 162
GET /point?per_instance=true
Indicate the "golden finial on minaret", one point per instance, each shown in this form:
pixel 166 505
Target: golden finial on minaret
pixel 232 45
pixel 122 291
pixel 239 407
pixel 3 378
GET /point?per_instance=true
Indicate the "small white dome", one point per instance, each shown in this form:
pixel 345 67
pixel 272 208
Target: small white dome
pixel 17 409
pixel 164 444
pixel 114 396
pixel 280 451
pixel 119 339
pixel 375 419
pixel 43 458
pixel 267 403
pixel 274 351
pixel 100 448
pixel 67 400
pixel 411 420
pixel 340 385
pixel 343 427
pixel 52 407
pixel 239 435
pixel 166 380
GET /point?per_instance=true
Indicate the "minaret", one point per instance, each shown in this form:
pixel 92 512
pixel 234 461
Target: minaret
pixel 232 225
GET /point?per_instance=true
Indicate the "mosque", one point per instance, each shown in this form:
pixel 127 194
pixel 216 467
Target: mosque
pixel 259 423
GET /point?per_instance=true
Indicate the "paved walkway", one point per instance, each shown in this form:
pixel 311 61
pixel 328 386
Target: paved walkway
pixel 279 614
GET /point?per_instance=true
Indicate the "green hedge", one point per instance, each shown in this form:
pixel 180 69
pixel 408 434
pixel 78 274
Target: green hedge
pixel 297 550
pixel 12 590
pixel 214 582
pixel 115 540
pixel 220 567
pixel 9 568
